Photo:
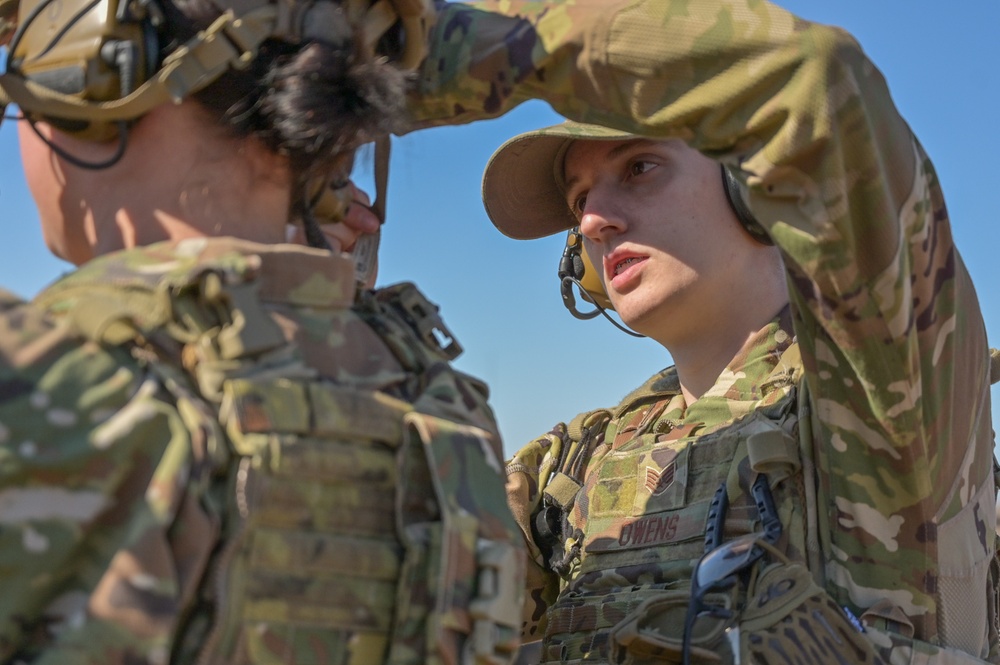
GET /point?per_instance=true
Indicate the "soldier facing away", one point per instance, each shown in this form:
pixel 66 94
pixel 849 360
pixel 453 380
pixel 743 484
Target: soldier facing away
pixel 825 434
pixel 218 447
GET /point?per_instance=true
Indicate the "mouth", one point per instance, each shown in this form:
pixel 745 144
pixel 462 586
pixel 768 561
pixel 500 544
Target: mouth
pixel 623 264
pixel 620 261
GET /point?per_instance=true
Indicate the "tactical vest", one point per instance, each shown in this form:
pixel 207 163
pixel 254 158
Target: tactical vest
pixel 623 520
pixel 358 515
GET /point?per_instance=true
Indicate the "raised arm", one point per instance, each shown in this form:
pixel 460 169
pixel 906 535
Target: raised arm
pixel 892 336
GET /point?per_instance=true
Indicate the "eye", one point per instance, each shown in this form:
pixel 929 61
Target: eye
pixel 577 203
pixel 640 166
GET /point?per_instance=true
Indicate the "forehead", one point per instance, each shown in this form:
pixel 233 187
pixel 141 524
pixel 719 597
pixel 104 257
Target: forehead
pixel 583 156
pixel 582 151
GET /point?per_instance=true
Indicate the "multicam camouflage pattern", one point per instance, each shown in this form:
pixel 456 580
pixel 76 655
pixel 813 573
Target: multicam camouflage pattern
pixel 893 344
pixel 637 525
pixel 787 619
pixel 212 453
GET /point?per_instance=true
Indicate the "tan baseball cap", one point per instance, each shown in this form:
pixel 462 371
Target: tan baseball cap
pixel 524 190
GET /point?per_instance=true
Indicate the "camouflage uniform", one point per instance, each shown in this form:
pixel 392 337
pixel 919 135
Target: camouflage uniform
pixel 211 451
pixel 895 489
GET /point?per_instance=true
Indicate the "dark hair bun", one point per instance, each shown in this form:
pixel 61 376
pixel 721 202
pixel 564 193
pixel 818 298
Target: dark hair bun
pixel 319 101
pixel 309 101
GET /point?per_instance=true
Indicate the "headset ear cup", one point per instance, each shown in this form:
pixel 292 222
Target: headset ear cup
pixel 734 194
pixel 151 45
pixel 97 52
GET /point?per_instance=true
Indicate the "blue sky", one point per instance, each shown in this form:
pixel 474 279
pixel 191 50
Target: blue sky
pixel 500 297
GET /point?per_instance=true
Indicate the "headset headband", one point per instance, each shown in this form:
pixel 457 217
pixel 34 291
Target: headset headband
pixel 232 41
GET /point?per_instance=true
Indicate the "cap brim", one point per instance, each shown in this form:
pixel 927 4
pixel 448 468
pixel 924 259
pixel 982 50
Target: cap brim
pixel 523 187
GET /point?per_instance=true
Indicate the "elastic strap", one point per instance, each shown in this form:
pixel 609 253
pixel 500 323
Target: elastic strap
pixel 192 67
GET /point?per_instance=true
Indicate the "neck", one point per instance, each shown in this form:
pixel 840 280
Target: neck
pixel 704 349
pixel 700 364
pixel 207 184
pixel 198 212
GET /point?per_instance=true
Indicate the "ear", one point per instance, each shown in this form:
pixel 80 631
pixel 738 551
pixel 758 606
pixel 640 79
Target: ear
pixel 737 201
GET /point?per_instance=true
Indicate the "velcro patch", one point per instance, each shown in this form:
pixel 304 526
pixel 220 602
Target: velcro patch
pixel 661 480
pixel 613 535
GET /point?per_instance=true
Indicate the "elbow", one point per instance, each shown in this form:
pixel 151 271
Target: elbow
pixel 834 48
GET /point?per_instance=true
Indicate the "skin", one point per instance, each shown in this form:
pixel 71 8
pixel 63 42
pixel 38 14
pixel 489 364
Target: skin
pixel 165 187
pixel 674 260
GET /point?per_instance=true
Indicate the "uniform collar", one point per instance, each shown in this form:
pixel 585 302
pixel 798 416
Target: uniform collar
pixel 743 384
pixel 746 381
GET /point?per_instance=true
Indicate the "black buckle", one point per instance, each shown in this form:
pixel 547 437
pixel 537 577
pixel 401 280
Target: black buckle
pixel 722 565
pixel 423 315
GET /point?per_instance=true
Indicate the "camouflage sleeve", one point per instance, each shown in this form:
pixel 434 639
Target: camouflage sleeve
pixel 95 473
pixel 526 473
pixel 892 336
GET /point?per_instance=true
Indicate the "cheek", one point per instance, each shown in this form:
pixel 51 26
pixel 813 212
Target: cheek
pixel 39 173
pixel 35 157
pixel 41 170
pixel 47 185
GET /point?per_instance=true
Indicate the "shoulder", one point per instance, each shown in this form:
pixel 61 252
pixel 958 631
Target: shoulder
pixel 36 344
pixel 310 276
pixel 662 384
pixel 66 406
pixel 194 286
pixel 91 447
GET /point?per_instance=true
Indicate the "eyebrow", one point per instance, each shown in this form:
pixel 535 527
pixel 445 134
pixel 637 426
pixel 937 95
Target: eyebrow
pixel 614 153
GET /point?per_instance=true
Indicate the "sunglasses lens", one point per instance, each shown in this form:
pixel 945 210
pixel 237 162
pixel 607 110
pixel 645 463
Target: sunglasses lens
pixel 725 560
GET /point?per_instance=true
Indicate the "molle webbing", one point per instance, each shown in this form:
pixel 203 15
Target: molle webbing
pixel 642 538
pixel 551 530
pixel 368 475
pixel 396 313
pixel 460 590
pixel 316 560
pixel 640 556
pixel 356 530
pixel 319 556
pixel 582 435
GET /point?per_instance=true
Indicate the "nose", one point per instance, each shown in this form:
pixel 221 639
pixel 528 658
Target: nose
pixel 602 218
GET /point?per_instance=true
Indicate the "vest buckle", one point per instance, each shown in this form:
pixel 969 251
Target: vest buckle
pixel 496 610
pixel 423 315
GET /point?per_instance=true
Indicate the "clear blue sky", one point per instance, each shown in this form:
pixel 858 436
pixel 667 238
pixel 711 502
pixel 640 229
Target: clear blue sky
pixel 500 297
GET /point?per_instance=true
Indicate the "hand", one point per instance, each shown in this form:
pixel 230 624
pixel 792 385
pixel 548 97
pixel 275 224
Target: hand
pixel 359 220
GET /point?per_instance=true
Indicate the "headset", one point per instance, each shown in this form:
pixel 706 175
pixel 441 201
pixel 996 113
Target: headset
pixel 84 64
pixel 91 51
pixel 576 269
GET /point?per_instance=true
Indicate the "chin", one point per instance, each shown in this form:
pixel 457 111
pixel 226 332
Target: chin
pixel 647 318
pixel 641 322
pixel 55 247
pixel 59 248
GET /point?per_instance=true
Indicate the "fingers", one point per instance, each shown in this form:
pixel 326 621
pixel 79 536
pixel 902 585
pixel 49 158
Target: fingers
pixel 360 217
pixel 360 195
pixel 295 234
pixel 359 220
pixel 340 236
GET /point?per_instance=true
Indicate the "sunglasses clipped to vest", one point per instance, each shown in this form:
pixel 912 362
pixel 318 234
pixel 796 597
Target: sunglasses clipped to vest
pixel 748 604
